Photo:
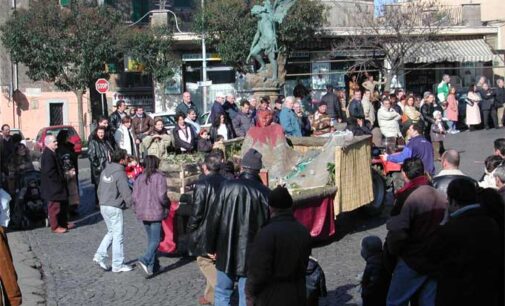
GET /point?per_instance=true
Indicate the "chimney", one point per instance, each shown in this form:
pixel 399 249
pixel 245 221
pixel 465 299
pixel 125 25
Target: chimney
pixel 471 14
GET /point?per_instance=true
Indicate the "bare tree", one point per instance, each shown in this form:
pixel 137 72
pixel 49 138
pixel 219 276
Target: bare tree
pixel 398 32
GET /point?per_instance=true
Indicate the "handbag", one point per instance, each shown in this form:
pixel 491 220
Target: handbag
pixel 469 102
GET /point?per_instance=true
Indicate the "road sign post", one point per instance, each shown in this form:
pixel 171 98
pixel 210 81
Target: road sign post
pixel 102 86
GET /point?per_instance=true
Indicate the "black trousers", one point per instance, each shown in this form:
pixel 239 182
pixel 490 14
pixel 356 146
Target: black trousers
pixel 488 116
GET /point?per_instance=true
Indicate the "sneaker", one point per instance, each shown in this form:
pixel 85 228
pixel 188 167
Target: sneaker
pixel 102 264
pixel 145 268
pixel 122 268
pixel 59 230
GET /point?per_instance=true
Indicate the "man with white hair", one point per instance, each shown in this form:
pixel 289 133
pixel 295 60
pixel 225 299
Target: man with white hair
pixel 230 107
pixel 288 119
pixel 217 107
pixel 53 187
pixel 499 175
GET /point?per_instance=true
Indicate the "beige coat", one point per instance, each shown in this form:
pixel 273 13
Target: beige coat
pixel 368 110
pixel 473 112
pixel 389 122
pixel 412 113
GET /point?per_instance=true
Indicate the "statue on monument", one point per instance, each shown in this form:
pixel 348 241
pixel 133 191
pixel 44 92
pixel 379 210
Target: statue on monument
pixel 265 39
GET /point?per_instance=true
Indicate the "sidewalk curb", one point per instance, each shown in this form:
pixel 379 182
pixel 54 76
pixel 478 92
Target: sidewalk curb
pixel 28 269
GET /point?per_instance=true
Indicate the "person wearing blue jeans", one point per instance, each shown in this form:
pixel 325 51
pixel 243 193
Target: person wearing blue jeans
pixel 114 195
pixel 224 289
pixel 150 203
pixel 406 283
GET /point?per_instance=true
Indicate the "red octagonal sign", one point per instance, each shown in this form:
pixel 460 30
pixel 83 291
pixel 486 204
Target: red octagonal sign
pixel 102 86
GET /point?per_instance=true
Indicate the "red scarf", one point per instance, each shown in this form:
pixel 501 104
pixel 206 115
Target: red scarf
pixel 414 183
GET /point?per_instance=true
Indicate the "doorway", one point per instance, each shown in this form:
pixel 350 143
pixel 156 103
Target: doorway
pixel 55 114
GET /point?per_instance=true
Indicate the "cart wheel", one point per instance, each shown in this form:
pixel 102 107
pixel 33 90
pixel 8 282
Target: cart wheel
pixel 379 194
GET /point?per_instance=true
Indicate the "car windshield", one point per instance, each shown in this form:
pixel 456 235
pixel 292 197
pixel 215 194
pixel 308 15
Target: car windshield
pixel 54 132
pixel 168 120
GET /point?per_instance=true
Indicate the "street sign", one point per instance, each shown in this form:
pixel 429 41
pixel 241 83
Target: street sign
pixel 202 83
pixel 102 86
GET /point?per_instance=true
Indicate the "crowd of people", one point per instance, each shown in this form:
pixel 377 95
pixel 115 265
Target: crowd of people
pixel 242 232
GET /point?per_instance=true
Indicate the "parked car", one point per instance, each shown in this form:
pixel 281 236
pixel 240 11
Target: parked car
pixel 54 130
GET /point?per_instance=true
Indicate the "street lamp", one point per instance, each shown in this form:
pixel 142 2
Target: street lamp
pixel 204 62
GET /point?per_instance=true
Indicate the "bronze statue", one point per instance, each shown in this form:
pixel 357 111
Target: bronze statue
pixel 265 39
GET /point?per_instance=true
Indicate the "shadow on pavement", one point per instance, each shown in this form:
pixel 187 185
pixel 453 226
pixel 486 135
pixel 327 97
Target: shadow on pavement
pixel 340 296
pixel 181 262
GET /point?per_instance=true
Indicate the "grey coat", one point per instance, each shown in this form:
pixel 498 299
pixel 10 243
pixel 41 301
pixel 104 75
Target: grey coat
pixel 113 189
pixel 242 123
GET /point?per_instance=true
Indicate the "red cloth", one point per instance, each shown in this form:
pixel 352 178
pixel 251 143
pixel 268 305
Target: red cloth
pixel 168 244
pixel 416 182
pixel 317 218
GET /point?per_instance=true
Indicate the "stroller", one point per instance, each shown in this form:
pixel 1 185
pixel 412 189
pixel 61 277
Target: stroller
pixel 27 206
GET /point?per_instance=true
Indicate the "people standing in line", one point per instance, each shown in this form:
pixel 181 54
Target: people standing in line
pixel 186 104
pixel 53 187
pixel 450 171
pixel 142 125
pixel 437 135
pixel 118 115
pixel 230 107
pixel 151 206
pixel 452 111
pixel 500 101
pixel 355 107
pixel 243 119
pixel 417 146
pixel 221 126
pixel 125 137
pixel 217 107
pixel 204 194
pixel 288 119
pixel 389 121
pixel 279 256
pixel 109 134
pixel 473 100
pixel 184 135
pixel 114 196
pixel 237 215
pixel 427 115
pixel 99 152
pixel 10 294
pixel 303 119
pixel 334 109
pixel 158 141
pixel 409 236
pixel 488 107
pixel 70 165
pixel 192 120
pixel 467 251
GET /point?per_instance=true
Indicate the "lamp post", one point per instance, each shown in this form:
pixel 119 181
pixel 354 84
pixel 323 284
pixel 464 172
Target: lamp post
pixel 204 62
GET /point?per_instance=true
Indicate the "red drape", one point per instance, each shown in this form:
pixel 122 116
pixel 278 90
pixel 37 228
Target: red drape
pixel 168 244
pixel 317 217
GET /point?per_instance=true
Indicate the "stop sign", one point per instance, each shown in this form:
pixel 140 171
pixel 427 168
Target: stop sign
pixel 102 86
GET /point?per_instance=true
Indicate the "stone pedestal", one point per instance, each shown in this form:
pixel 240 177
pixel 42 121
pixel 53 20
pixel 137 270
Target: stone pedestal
pixel 273 93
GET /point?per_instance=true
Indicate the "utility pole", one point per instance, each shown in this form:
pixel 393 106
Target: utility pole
pixel 204 62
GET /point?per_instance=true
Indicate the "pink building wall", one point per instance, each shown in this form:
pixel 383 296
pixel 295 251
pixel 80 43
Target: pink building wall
pixel 35 111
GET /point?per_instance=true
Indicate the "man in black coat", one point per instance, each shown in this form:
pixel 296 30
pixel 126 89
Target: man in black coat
pixel 488 107
pixel 204 194
pixel 117 116
pixel 334 109
pixel 468 251
pixel 237 215
pixel 279 256
pixel 499 101
pixel 53 187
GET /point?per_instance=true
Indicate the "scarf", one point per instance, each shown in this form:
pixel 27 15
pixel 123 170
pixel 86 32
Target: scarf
pixel 414 183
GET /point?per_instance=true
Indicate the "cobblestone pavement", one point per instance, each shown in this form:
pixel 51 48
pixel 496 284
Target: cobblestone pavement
pixel 71 278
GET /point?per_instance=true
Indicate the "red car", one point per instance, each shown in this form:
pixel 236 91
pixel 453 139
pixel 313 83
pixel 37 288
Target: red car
pixel 54 130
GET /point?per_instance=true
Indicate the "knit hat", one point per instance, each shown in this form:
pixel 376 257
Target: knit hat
pixel 280 198
pixel 370 245
pixel 252 160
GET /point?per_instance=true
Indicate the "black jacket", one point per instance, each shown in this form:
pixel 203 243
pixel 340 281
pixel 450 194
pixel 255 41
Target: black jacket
pixel 109 135
pixel 468 251
pixel 442 182
pixel 499 99
pixel 356 109
pixel 179 143
pixel 427 115
pixel 487 101
pixel 115 120
pixel 375 282
pixel 334 109
pixel 237 214
pixel 305 125
pixel 204 194
pixel 278 263
pixel 98 155
pixel 53 185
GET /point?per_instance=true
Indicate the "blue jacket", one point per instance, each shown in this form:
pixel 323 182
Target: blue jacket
pixel 416 147
pixel 289 122
pixel 216 109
